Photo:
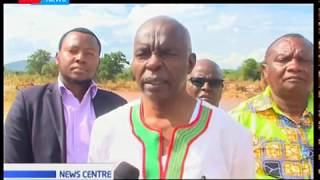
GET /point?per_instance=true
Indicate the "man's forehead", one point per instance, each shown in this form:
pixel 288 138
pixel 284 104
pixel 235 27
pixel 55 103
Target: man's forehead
pixel 159 22
pixel 206 64
pixel 158 31
pixel 76 36
pixel 206 68
pixel 202 70
pixel 75 39
pixel 71 39
pixel 282 46
pixel 288 44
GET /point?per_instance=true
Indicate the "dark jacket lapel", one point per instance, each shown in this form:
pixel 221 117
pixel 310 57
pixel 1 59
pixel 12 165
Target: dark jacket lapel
pixel 97 102
pixel 106 101
pixel 57 116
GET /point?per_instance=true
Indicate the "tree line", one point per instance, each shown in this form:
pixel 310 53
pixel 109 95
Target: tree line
pixel 115 66
pixel 250 69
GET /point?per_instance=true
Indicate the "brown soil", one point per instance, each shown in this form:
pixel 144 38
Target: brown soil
pixel 226 103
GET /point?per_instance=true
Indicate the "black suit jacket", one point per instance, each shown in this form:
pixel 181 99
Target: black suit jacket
pixel 35 126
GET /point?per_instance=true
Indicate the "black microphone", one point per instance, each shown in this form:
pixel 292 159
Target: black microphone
pixel 126 171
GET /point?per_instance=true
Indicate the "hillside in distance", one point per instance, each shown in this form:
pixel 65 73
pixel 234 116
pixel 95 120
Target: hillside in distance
pixel 17 66
pixel 20 65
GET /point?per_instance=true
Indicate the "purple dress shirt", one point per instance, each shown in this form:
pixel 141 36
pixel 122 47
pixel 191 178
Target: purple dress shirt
pixel 79 118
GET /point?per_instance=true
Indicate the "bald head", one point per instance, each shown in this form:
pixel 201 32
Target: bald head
pixel 162 59
pixel 208 66
pixel 155 31
pixel 285 37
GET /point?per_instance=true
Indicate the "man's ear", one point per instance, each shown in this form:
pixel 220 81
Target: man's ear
pixel 57 58
pixel 99 61
pixel 264 71
pixel 133 70
pixel 189 76
pixel 192 62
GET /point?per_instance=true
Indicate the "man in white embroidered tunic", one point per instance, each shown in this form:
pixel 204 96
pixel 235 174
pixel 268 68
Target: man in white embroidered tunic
pixel 167 133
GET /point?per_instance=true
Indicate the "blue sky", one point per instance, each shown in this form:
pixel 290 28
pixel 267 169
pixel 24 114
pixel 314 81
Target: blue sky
pixel 226 33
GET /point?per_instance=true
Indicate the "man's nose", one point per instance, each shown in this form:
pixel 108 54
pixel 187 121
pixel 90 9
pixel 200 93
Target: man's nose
pixel 80 57
pixel 154 62
pixel 206 86
pixel 296 65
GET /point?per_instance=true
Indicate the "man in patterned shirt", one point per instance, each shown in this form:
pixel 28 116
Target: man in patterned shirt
pixel 281 118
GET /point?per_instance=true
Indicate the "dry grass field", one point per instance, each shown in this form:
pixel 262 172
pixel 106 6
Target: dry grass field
pixel 234 91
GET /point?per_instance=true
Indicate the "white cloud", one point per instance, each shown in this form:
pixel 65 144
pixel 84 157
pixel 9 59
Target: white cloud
pixel 47 21
pixel 216 57
pixel 44 25
pixel 228 34
pixel 234 60
pixel 140 13
pixel 224 21
pixel 257 54
pixel 235 29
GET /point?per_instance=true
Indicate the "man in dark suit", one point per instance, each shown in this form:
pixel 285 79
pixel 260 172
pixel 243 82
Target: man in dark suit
pixel 52 123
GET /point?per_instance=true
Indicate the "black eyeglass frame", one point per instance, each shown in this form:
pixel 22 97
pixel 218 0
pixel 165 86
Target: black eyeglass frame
pixel 200 81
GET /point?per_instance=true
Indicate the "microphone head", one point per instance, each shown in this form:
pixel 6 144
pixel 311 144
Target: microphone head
pixel 126 171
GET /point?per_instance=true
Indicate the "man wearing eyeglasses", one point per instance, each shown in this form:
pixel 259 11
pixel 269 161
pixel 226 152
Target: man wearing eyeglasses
pixel 206 81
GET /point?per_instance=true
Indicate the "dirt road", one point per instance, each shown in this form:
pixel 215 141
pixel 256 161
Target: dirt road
pixel 226 103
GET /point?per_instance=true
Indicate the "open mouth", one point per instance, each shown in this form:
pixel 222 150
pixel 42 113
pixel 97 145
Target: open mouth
pixel 295 78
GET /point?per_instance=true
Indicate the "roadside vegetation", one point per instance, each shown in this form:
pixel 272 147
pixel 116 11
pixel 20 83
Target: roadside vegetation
pixel 115 74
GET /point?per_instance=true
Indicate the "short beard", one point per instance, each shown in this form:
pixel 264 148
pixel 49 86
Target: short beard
pixel 83 83
pixel 80 82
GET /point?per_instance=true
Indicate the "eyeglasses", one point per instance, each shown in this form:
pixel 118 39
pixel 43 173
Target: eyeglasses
pixel 199 82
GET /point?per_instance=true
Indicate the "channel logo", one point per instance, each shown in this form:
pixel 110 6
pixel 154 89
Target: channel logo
pixel 44 2
pixel 58 171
